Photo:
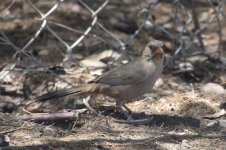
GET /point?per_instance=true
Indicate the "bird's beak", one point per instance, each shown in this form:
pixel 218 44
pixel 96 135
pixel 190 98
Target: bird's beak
pixel 158 50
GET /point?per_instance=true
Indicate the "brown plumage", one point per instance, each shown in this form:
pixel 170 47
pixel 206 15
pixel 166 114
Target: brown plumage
pixel 126 82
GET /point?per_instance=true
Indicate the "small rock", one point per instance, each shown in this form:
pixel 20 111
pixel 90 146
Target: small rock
pixel 213 88
pixel 222 123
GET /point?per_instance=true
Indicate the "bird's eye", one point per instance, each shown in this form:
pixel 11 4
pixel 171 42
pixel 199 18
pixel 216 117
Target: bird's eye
pixel 151 47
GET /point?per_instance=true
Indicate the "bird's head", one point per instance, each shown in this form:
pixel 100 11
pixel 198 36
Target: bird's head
pixel 153 50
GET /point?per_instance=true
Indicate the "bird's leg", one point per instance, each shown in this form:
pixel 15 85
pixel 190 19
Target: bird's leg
pixel 120 107
pixel 127 109
pixel 86 102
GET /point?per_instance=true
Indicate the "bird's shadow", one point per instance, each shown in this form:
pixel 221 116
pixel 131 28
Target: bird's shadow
pixel 160 120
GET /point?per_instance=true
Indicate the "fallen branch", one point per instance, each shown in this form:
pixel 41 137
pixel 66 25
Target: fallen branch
pixel 56 117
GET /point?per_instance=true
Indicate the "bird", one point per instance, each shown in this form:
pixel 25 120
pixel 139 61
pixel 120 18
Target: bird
pixel 126 82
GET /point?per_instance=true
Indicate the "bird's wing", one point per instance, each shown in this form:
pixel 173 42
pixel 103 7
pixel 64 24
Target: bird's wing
pixel 130 73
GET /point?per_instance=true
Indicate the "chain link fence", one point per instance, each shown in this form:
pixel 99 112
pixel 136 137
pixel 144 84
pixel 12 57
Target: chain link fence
pixel 37 35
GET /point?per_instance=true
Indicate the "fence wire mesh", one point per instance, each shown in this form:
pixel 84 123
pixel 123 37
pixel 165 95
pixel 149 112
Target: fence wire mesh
pixel 38 35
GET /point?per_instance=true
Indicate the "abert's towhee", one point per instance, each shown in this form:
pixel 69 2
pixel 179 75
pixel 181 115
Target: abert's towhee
pixel 124 83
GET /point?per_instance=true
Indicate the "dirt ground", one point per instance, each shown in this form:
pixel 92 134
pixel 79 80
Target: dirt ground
pixel 175 109
pixel 176 123
pixel 182 112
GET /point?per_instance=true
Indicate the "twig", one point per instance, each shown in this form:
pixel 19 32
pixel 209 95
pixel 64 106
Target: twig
pixel 218 23
pixel 12 130
pixel 197 25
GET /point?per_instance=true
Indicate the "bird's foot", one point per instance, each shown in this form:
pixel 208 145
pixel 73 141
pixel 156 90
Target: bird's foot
pixel 135 122
pixel 127 109
pixel 127 114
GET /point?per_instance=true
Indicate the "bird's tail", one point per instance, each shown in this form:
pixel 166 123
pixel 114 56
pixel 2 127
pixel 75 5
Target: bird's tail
pixel 59 93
